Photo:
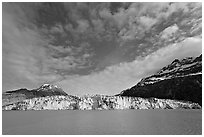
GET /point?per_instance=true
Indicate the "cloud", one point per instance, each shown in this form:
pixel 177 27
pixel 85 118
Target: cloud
pixel 22 51
pixel 98 25
pixel 58 28
pixel 65 63
pixel 141 17
pixel 26 57
pixel 68 63
pixel 57 50
pixel 40 48
pixel 148 22
pixel 105 20
pixel 34 54
pixel 115 78
pixel 170 31
pixel 83 25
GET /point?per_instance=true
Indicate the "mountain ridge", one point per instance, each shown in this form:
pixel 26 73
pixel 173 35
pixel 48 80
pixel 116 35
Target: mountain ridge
pixel 23 93
pixel 169 88
pixel 180 80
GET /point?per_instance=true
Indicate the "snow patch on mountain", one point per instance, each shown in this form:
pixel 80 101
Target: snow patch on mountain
pixel 178 68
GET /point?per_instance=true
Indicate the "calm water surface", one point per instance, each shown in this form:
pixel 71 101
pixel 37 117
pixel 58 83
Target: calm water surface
pixel 102 122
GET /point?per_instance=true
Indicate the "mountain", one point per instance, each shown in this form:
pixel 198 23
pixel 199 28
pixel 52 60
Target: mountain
pixel 22 94
pixel 180 80
pixel 97 102
pixel 49 90
pixel 178 85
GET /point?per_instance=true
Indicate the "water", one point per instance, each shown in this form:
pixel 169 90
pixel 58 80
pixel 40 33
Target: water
pixel 109 122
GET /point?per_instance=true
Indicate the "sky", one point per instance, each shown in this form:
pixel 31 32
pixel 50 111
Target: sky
pixel 94 48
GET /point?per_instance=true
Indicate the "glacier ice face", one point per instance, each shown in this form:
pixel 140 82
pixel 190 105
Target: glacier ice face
pixel 98 103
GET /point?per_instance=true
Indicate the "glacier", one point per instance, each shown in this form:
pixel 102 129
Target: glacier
pixel 98 102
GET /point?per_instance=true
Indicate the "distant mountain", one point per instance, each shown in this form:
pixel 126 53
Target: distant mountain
pixel 178 85
pixel 181 80
pixel 22 94
pixel 49 90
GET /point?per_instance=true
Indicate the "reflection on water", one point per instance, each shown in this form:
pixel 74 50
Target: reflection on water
pixel 102 122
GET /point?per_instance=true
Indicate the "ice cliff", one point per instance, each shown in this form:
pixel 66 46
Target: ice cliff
pixel 98 102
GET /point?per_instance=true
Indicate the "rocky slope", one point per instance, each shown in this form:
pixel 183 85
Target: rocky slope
pixel 97 102
pixel 22 94
pixel 181 80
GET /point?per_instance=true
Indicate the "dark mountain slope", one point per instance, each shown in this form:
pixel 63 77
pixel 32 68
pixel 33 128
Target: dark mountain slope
pixel 181 80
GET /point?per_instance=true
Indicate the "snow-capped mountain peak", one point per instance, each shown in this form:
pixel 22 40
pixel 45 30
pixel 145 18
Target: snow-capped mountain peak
pixel 48 87
pixel 178 66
